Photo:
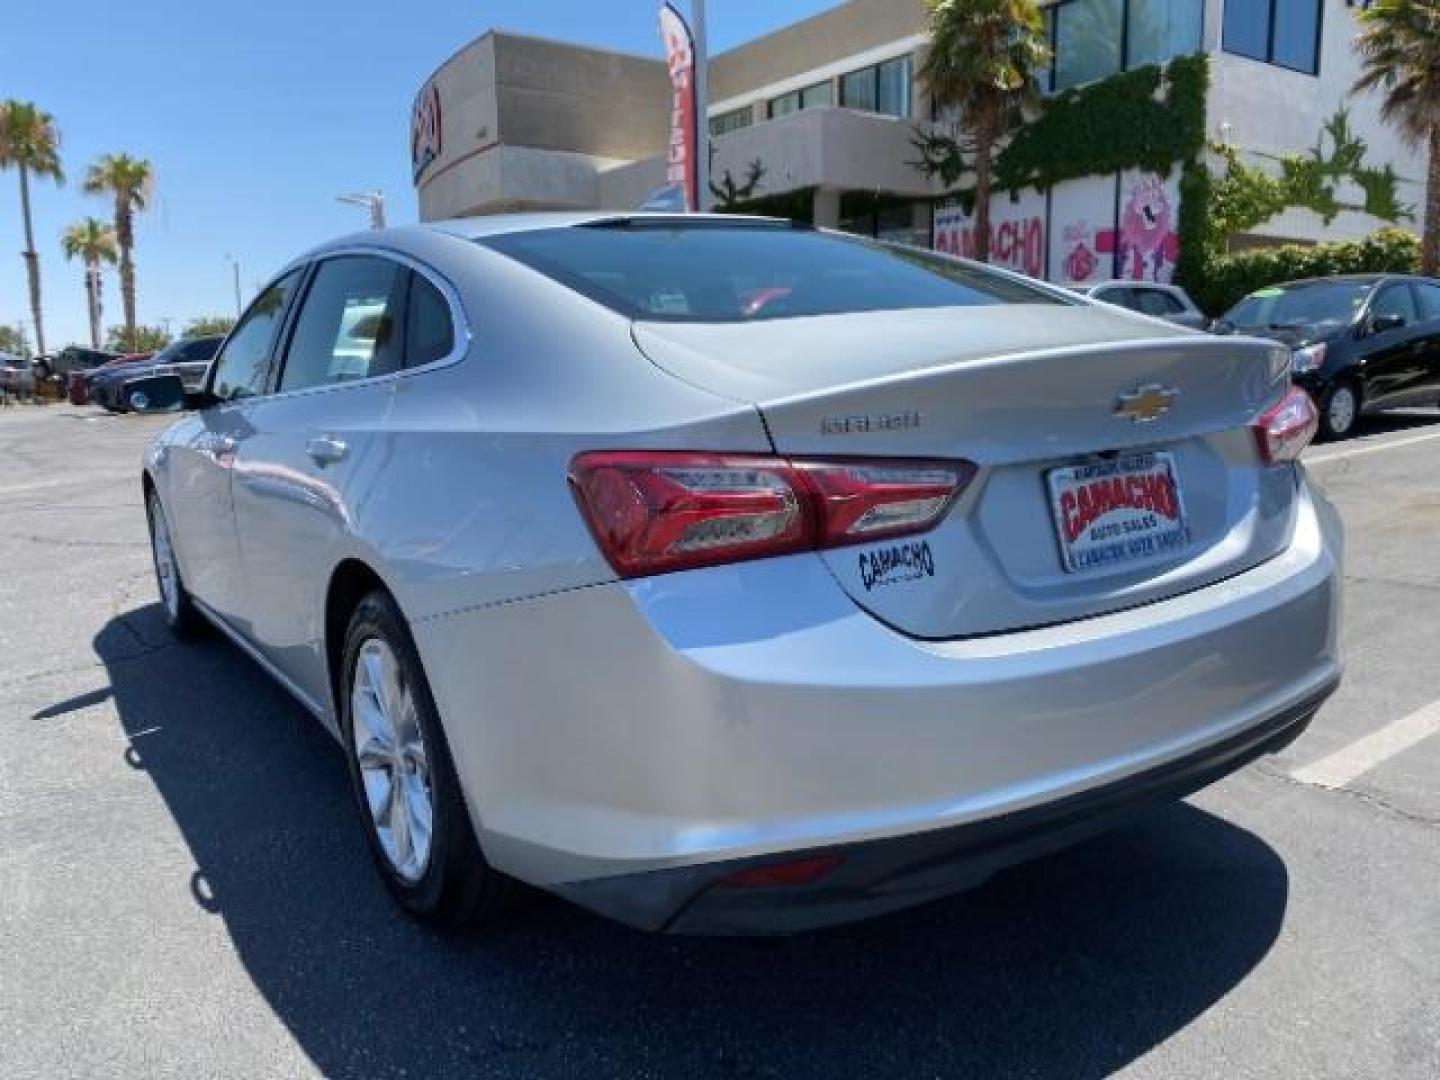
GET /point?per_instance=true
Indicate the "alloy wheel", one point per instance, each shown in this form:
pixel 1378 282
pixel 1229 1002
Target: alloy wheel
pixel 166 573
pixel 394 767
pixel 1340 413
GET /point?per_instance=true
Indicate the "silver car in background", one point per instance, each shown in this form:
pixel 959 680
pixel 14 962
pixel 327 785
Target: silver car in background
pixel 724 575
pixel 1156 299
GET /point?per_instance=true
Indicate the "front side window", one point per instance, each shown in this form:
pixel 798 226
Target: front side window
pixel 666 271
pixel 349 326
pixel 243 366
pixel 1281 32
pixel 1088 36
pixel 1395 300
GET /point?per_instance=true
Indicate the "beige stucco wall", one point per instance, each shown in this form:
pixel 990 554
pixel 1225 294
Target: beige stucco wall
pixel 528 123
pixel 855 27
pixel 555 96
pixel 1264 109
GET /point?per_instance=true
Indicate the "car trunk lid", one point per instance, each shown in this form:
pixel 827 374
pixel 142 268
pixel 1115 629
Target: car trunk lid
pixel 1053 404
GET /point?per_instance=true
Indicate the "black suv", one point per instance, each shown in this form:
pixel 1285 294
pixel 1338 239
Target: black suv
pixel 72 358
pixel 1361 342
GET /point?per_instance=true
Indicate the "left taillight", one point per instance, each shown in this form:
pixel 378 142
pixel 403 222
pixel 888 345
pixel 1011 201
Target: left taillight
pixel 657 511
pixel 1286 428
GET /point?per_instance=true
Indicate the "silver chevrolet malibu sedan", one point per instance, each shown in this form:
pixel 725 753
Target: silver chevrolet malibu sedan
pixel 729 576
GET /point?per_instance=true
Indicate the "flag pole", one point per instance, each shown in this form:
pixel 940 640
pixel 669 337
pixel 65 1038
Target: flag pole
pixel 702 107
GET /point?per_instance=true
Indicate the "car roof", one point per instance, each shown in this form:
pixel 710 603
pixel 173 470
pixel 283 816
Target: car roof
pixel 476 228
pixel 407 238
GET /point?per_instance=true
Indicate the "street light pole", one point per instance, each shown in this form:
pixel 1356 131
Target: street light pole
pixel 235 266
pixel 373 201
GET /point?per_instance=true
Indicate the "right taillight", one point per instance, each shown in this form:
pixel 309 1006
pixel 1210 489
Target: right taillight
pixel 656 511
pixel 1286 428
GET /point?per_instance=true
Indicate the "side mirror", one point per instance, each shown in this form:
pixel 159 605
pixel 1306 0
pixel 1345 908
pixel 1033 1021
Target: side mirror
pixel 1221 326
pixel 154 394
pixel 1380 323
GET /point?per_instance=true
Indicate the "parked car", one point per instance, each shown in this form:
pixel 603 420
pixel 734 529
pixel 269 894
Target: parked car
pixel 72 358
pixel 1168 302
pixel 17 376
pixel 724 575
pixel 189 358
pixel 80 380
pixel 1360 342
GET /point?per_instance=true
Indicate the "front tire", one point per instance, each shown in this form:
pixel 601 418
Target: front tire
pixel 181 615
pixel 1339 411
pixel 405 785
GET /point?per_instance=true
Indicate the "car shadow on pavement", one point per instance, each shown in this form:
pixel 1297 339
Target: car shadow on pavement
pixel 1073 966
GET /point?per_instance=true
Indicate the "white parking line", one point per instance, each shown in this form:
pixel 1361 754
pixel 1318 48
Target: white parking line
pixel 1362 755
pixel 42 485
pixel 1370 448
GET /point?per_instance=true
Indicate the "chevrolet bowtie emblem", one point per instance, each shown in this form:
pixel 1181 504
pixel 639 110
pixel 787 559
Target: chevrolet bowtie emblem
pixel 1146 404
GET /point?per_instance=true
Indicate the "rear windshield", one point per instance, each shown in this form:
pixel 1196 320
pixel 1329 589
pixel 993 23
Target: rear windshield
pixel 719 272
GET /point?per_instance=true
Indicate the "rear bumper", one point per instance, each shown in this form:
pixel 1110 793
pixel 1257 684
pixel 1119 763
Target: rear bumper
pixel 881 876
pixel 628 745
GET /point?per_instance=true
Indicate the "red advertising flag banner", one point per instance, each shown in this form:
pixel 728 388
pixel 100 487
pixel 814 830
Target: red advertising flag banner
pixel 681 159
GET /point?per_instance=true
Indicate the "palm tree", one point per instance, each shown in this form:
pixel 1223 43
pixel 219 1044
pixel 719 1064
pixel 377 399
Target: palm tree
pixel 983 59
pixel 30 143
pixel 130 181
pixel 92 242
pixel 1399 46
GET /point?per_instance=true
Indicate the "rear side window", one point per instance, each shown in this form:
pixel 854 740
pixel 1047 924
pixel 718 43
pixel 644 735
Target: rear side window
pixel 1429 297
pixel 429 333
pixel 718 272
pixel 1157 302
pixel 349 326
pixel 244 365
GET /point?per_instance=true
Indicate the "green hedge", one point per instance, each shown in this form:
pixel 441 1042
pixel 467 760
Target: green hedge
pixel 1227 278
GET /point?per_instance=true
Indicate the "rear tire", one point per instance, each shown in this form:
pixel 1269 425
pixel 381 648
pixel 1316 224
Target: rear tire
pixel 408 794
pixel 181 615
pixel 1339 411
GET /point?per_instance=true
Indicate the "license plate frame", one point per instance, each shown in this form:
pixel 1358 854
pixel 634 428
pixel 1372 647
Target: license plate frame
pixel 1117 513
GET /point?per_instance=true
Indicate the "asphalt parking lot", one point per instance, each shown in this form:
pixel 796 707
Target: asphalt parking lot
pixel 184 890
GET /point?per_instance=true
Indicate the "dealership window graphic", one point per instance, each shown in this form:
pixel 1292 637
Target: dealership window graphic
pixel 1086 230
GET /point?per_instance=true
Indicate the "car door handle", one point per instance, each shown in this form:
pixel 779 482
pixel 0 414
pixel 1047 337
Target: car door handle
pixel 326 450
pixel 217 447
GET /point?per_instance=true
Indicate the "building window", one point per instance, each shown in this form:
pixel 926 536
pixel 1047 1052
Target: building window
pixel 1088 39
pixel 1094 39
pixel 1281 32
pixel 811 97
pixel 884 88
pixel 1159 30
pixel 730 121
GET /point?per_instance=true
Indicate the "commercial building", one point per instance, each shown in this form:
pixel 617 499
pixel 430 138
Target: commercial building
pixel 819 120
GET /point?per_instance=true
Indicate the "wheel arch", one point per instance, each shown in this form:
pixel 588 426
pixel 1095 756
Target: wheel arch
pixel 351 581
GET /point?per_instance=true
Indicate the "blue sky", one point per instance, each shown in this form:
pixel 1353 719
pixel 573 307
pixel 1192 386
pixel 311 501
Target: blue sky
pixel 255 116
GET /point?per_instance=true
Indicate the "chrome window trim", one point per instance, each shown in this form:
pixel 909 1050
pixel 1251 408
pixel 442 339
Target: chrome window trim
pixel 459 323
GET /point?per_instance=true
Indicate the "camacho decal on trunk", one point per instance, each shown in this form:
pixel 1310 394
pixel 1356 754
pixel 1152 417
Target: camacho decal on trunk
pixel 896 563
